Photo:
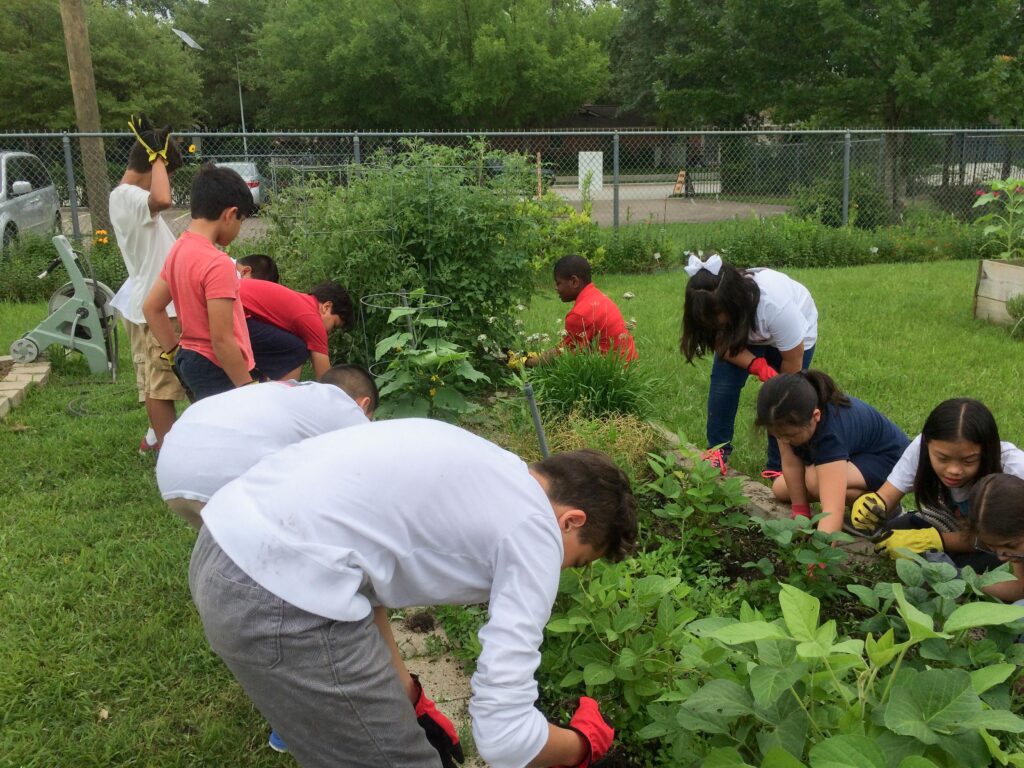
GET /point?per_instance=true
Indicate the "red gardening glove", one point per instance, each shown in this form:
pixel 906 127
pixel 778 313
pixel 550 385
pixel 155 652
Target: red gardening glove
pixel 439 729
pixel 589 723
pixel 759 367
pixel 799 510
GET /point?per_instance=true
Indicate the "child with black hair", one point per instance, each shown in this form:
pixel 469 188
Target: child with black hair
pixel 959 444
pixel 286 327
pixel 594 319
pixel 312 545
pixel 834 447
pixel 756 322
pixel 258 266
pixel 144 240
pixel 212 353
pixel 996 528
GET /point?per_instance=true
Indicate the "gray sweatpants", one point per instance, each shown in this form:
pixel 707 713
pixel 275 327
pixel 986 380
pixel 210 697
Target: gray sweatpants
pixel 327 687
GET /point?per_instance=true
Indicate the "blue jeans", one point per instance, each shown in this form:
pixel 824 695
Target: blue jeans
pixel 727 381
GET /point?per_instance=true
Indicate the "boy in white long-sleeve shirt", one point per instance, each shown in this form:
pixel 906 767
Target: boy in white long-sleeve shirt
pixel 299 556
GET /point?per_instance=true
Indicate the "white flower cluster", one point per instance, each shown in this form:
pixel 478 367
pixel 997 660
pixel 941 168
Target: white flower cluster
pixel 629 295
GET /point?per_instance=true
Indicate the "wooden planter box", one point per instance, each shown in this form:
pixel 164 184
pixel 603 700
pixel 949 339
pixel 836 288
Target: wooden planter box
pixel 997 282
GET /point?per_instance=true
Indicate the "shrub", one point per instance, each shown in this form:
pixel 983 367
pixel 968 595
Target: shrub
pixel 593 384
pixel 822 201
pixel 636 248
pixel 21 265
pixel 781 241
pixel 428 217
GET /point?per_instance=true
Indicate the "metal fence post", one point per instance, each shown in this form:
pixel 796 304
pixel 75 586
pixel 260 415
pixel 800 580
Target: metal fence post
pixel 615 180
pixel 355 149
pixel 846 178
pixel 69 170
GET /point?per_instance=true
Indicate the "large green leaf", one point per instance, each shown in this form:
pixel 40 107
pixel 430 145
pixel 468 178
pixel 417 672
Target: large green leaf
pixel 919 623
pixel 996 720
pixel 972 615
pixel 714 706
pixel 748 632
pixel 767 683
pixel 469 373
pixel 598 673
pixel 395 340
pixel 847 751
pixel 777 757
pixel 987 677
pixel 450 399
pixel 800 612
pixel 916 761
pixel 931 704
pixel 725 757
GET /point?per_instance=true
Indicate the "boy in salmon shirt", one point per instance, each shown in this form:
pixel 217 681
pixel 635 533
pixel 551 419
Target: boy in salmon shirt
pixel 213 353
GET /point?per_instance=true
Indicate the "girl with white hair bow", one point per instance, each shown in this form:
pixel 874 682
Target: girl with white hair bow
pixel 755 322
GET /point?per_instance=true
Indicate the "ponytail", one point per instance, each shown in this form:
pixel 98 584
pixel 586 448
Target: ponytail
pixel 790 399
pixel 707 296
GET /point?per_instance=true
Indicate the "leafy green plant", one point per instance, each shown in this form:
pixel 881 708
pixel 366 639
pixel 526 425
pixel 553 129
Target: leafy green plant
pixel 430 216
pixel 1004 227
pixel 21 264
pixel 425 375
pixel 794 692
pixel 638 248
pixel 822 201
pixel 593 384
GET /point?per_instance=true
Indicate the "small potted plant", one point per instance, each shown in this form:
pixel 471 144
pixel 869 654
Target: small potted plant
pixel 1001 276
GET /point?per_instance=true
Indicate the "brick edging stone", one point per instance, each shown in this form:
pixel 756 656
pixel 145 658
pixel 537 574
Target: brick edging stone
pixel 18 380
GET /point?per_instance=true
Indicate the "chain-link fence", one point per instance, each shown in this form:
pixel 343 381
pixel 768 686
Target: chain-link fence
pixel 864 178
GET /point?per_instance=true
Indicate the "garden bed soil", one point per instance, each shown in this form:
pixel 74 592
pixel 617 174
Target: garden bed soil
pixel 5 368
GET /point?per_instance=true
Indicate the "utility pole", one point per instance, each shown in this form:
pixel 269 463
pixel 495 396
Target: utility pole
pixel 87 111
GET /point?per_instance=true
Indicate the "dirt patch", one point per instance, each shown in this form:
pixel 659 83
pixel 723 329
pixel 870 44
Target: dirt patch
pixel 5 368
pixel 420 621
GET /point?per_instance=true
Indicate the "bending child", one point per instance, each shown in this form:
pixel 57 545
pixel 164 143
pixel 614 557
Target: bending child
pixel 258 266
pixel 318 539
pixel 834 447
pixel 287 328
pixel 756 322
pixel 996 526
pixel 959 444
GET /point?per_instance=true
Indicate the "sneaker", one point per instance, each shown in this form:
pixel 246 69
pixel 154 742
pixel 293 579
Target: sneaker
pixel 146 447
pixel 716 459
pixel 276 743
pixel 770 474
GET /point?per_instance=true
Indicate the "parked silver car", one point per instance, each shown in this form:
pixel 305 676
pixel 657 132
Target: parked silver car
pixel 28 200
pixel 253 179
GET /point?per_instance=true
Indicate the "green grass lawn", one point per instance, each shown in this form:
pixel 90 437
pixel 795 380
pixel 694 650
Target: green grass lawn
pixel 103 659
pixel 899 336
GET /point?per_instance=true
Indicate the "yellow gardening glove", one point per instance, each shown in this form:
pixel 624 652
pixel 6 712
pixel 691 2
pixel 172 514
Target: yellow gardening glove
pixel 168 356
pixel 139 124
pixel 914 539
pixel 867 512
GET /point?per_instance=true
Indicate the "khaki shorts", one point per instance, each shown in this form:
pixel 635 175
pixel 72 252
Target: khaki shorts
pixel 153 374
pixel 189 510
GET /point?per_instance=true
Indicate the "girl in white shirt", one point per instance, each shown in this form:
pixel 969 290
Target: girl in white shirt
pixel 959 444
pixel 756 322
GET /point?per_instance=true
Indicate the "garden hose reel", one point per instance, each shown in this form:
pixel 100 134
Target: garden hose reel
pixel 80 317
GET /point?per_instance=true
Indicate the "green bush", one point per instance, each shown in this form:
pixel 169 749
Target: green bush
pixel 781 241
pixel 822 201
pixel 636 248
pixel 592 384
pixel 20 267
pixel 428 217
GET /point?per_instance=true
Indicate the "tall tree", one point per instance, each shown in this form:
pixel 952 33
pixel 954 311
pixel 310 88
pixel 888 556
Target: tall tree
pixel 835 62
pixel 429 63
pixel 139 65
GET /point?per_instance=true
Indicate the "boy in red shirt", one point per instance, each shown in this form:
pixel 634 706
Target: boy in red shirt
pixel 594 318
pixel 212 354
pixel 287 327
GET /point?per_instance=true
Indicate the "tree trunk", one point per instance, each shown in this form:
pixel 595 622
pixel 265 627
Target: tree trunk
pixel 87 111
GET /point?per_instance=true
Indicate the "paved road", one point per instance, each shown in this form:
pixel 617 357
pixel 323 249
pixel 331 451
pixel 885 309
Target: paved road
pixel 637 203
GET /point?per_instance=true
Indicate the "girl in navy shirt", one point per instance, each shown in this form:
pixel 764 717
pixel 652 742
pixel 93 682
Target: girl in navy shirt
pixel 834 447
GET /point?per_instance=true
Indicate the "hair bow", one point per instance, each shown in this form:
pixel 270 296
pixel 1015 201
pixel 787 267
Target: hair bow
pixel 695 265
